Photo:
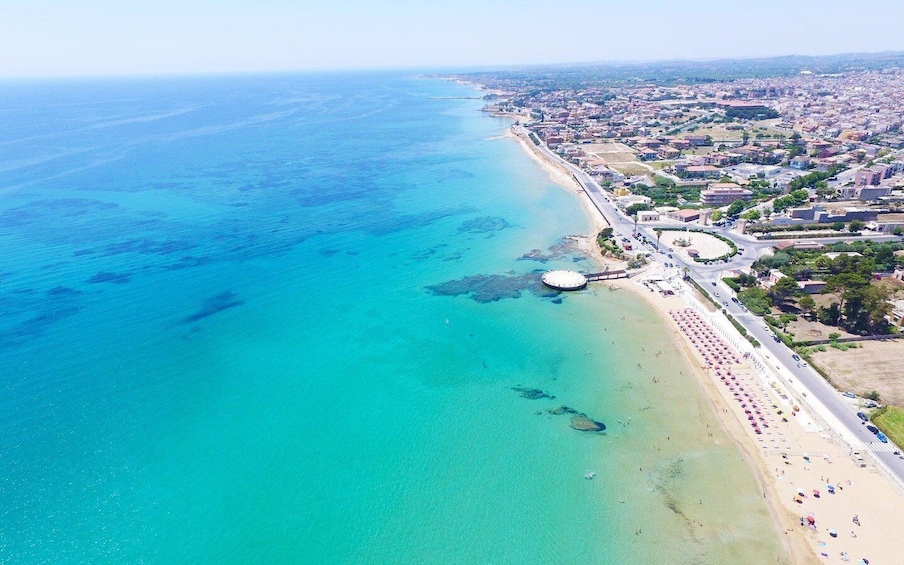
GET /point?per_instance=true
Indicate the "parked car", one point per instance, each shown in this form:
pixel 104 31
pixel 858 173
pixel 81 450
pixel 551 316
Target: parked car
pixel 849 394
pixel 870 404
pixel 881 437
pixel 872 428
pixel 863 416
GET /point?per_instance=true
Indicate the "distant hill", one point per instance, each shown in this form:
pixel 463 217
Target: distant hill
pixel 690 71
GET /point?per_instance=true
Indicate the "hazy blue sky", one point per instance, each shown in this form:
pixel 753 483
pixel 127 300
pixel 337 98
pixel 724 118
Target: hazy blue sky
pixel 73 37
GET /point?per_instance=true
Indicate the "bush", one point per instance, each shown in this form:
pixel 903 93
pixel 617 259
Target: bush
pixel 732 284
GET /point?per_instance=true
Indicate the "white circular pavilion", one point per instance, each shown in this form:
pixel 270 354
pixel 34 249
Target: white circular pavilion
pixel 564 280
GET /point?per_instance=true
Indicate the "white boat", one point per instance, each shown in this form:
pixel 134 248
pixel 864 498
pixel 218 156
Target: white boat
pixel 589 475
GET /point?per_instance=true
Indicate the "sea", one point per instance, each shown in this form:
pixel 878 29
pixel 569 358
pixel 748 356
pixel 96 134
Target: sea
pixel 298 318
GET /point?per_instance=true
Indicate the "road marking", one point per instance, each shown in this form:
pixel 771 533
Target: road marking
pixel 878 446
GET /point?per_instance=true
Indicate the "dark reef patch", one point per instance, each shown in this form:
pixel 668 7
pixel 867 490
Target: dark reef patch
pixel 560 250
pixel 491 288
pixel 391 224
pixel 35 326
pixel 531 393
pixel 214 305
pixel 148 247
pixel 106 277
pixel 187 263
pixel 484 224
pixel 63 291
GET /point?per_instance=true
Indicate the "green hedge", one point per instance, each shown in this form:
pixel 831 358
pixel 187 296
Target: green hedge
pixel 732 284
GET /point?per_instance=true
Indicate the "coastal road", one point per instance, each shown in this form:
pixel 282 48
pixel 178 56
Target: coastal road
pixel 833 408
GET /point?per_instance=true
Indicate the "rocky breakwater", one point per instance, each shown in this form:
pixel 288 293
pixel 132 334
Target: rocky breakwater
pixel 579 420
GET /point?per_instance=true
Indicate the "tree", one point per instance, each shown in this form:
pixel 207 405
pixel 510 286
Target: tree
pixel 850 287
pixel 736 208
pixel 855 226
pixel 658 235
pixel 633 209
pixel 838 226
pixel 751 215
pixel 606 233
pixel 717 215
pixel 756 300
pixel 780 259
pixel 783 289
pixel 807 304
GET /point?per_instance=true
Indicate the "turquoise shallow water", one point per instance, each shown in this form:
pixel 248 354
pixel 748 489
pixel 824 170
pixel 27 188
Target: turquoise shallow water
pixel 278 319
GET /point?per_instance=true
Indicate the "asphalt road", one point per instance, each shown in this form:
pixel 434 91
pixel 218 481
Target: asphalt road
pixel 838 411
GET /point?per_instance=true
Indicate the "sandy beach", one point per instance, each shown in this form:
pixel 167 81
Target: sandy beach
pixel 795 460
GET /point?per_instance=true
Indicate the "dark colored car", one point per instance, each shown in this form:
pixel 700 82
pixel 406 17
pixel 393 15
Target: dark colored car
pixel 863 416
pixel 872 428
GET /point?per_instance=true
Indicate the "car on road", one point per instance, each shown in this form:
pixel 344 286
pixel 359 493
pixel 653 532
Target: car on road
pixel 881 437
pixel 670 255
pixel 796 357
pixel 734 299
pixel 849 394
pixel 724 303
pixel 714 283
pixel 777 339
pixel 872 428
pixel 863 416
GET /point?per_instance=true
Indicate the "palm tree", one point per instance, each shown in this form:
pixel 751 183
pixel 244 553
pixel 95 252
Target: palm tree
pixel 658 235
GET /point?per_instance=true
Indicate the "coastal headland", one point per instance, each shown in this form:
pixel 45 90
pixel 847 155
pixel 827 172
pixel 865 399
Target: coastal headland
pixel 797 460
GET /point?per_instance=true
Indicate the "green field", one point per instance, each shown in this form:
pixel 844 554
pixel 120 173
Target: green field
pixel 891 421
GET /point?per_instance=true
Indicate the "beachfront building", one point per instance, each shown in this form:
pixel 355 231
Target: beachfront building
pixel 685 216
pixel 648 216
pixel 896 318
pixel 812 287
pixel 724 193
